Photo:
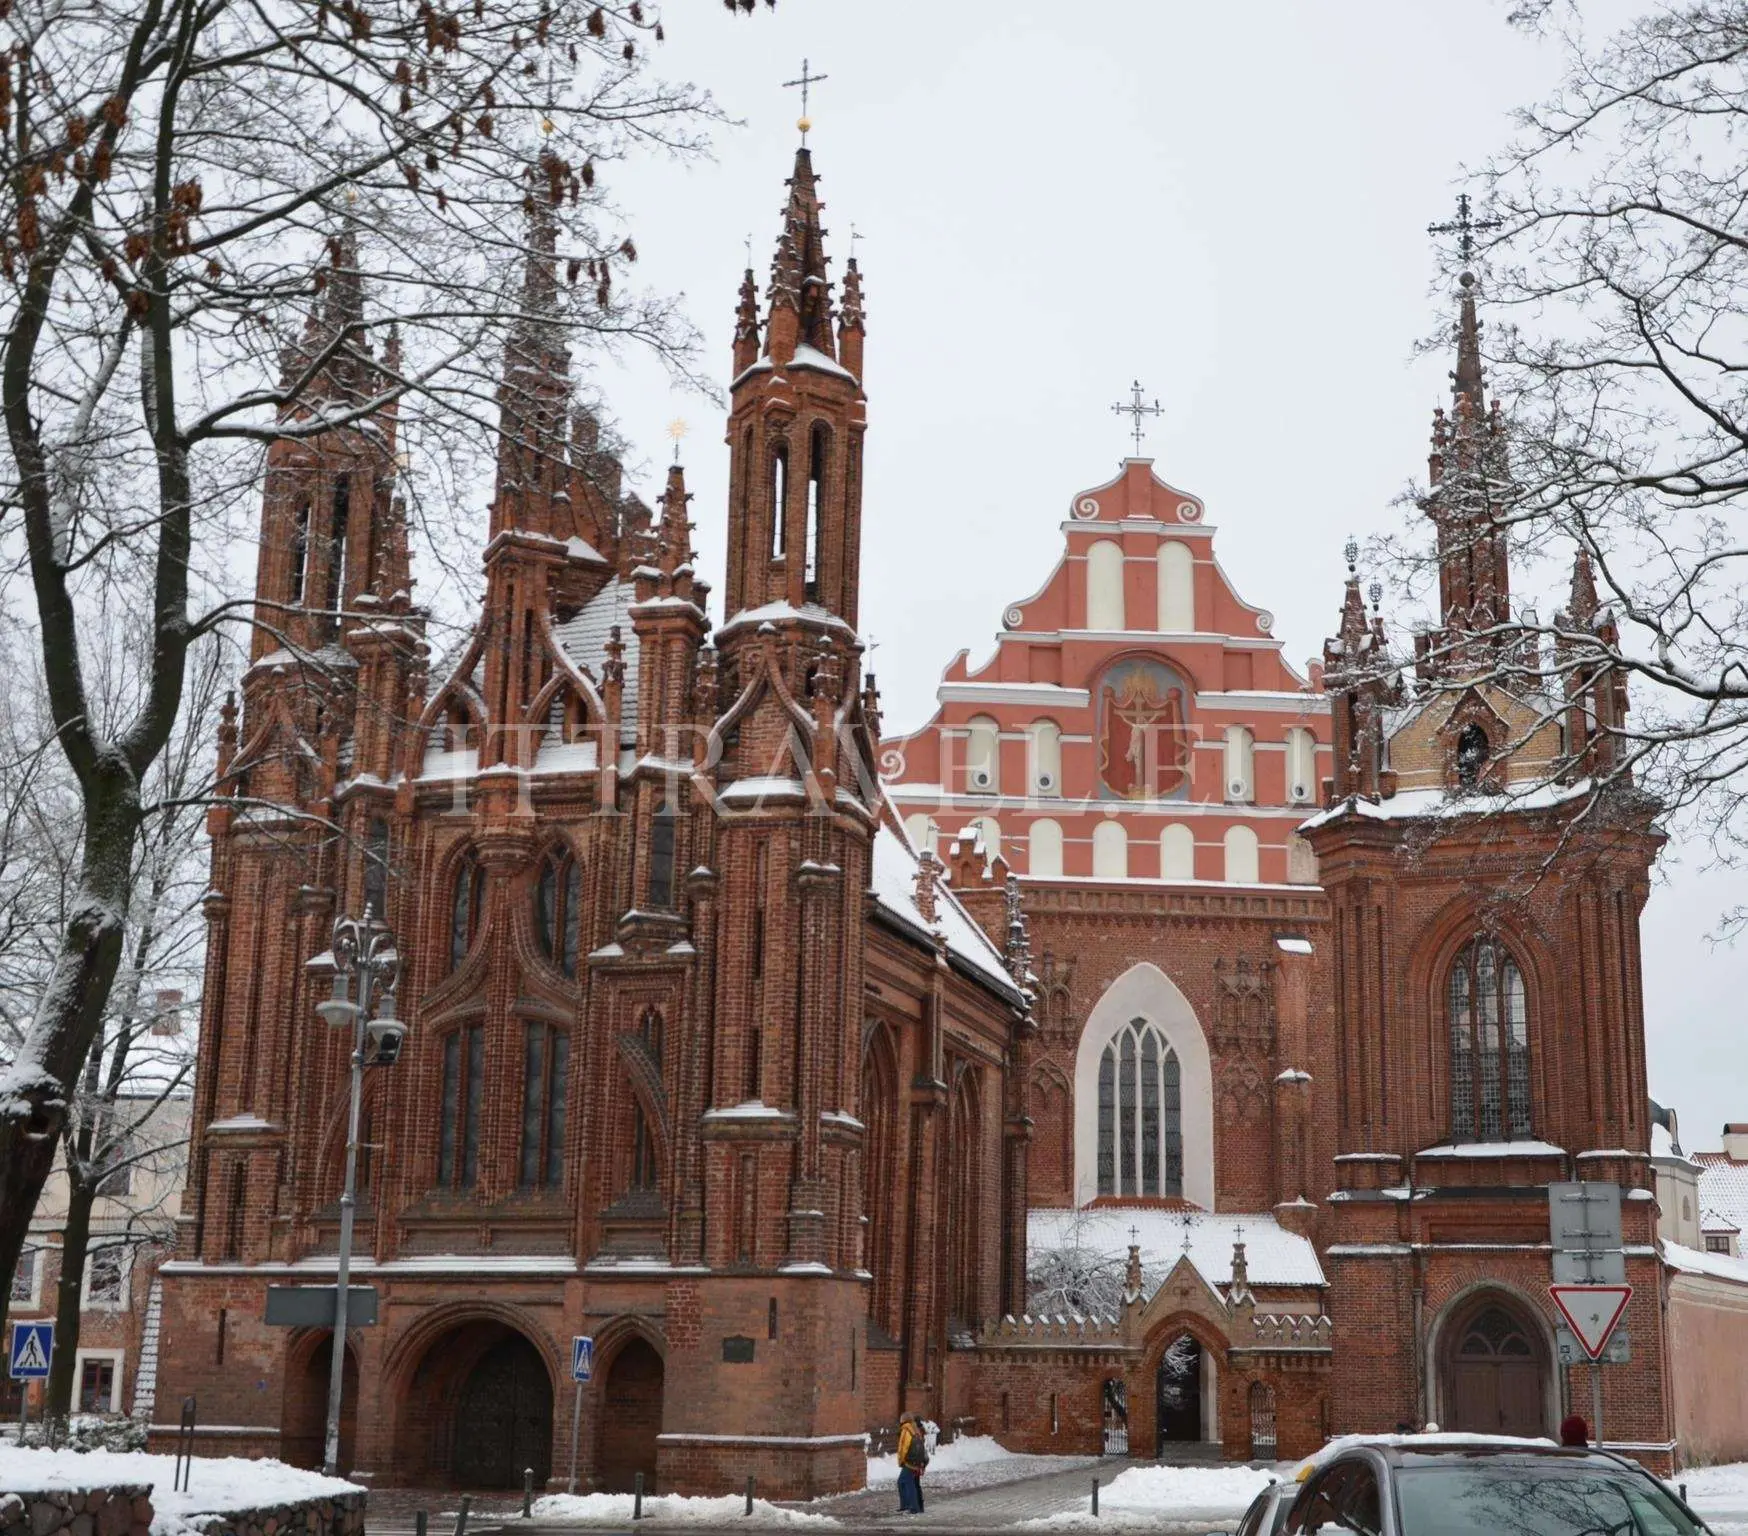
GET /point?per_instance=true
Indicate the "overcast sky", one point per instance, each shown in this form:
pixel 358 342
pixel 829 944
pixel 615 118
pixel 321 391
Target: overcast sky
pixel 1228 202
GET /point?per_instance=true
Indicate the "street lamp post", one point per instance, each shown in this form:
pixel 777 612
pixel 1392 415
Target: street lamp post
pixel 363 952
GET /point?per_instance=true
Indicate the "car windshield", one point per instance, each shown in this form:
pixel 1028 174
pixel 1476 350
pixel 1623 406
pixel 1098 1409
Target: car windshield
pixel 1483 1498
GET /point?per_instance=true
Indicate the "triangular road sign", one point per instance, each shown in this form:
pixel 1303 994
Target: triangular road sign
pixel 1592 1312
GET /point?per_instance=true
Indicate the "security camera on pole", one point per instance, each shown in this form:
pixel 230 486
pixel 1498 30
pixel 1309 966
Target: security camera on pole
pixel 363 953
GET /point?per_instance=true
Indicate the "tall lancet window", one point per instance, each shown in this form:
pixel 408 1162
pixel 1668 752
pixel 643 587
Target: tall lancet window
pixel 300 550
pixel 342 519
pixel 819 447
pixel 1490 1067
pixel 779 499
pixel 1141 1142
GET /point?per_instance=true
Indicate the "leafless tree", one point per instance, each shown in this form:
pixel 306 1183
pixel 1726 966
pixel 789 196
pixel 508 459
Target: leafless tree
pixel 1618 345
pixel 179 182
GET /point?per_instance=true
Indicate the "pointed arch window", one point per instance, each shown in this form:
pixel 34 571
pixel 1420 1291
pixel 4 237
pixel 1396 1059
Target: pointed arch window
pixel 545 1071
pixel 818 453
pixel 1489 1024
pixel 461 1104
pixel 300 550
pixel 376 855
pixel 467 900
pixel 558 907
pixel 1473 749
pixel 1141 1143
pixel 339 528
pixel 661 857
pixel 645 1172
pixel 779 500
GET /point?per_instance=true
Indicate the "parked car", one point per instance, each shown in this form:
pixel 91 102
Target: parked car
pixel 1450 1486
pixel 1268 1510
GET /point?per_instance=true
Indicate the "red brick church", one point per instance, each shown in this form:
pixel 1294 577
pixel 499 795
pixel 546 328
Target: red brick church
pixel 774 1053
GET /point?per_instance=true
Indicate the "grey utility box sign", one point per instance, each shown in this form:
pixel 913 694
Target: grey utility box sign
pixel 1584 1225
pixel 312 1306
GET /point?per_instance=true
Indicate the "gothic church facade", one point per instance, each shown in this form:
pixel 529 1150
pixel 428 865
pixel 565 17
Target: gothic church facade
pixel 787 1061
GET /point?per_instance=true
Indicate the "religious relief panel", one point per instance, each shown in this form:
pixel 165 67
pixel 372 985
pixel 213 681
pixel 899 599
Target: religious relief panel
pixel 1144 740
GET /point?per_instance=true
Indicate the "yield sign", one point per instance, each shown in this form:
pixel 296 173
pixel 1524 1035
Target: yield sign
pixel 1591 1311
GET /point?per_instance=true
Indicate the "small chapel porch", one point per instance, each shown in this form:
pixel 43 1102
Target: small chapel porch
pixel 1200 1360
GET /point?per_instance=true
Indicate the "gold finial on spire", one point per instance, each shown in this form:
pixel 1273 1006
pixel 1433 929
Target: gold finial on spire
pixel 804 80
pixel 677 429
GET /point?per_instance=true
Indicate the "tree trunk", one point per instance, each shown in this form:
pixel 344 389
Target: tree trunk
pixel 71 1011
pixel 75 1244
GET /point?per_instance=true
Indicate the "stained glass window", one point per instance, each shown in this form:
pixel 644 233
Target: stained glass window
pixel 1140 1107
pixel 1489 1024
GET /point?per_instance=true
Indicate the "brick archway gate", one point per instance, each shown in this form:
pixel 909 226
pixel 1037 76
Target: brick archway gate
pixel 474 1406
pixel 630 1417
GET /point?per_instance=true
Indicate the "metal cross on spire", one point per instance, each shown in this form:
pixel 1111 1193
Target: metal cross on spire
pixel 1136 409
pixel 1463 226
pixel 804 80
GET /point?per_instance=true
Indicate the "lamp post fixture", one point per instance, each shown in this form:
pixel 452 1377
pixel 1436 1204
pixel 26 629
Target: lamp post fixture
pixel 365 960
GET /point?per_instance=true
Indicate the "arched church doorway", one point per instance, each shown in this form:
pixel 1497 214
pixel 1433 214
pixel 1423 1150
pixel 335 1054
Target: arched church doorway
pixel 475 1410
pixel 1178 1387
pixel 303 1411
pixel 631 1417
pixel 1495 1371
pixel 503 1418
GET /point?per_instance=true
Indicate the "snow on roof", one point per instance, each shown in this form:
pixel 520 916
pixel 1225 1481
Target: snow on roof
pixel 584 638
pixel 765 613
pixel 1663 1145
pixel 1723 1187
pixel 1494 1149
pixel 812 357
pixel 894 883
pixel 1716 1221
pixel 1274 1255
pixel 1690 1261
pixel 1408 803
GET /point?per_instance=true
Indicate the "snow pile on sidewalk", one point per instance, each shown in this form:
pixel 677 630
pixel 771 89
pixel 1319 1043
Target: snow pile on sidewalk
pixel 1174 1493
pixel 956 1456
pixel 216 1484
pixel 666 1509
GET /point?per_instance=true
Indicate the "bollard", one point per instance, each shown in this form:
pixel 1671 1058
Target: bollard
pixel 1683 1486
pixel 749 1493
pixel 420 1520
pixel 527 1492
pixel 637 1497
pixel 461 1514
pixel 1095 1498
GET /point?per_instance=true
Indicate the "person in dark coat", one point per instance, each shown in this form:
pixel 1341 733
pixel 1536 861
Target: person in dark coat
pixel 1574 1431
pixel 913 1456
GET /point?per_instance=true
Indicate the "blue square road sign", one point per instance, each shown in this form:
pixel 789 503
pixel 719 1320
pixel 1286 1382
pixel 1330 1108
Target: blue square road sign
pixel 33 1346
pixel 582 1357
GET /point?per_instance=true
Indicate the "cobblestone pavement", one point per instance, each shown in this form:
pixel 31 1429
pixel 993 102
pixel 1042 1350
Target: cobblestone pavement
pixel 961 1508
pixel 392 1511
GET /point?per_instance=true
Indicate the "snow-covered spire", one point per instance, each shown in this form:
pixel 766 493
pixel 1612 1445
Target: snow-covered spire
pixel 801 305
pixel 1466 379
pixel 746 325
pixel 851 320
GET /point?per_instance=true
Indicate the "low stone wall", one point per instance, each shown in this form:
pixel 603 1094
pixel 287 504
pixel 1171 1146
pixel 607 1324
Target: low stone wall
pixel 125 1510
pixel 339 1515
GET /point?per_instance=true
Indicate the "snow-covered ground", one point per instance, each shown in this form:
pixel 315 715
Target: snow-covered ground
pixel 972 1461
pixel 215 1483
pixel 668 1509
pixel 1144 1494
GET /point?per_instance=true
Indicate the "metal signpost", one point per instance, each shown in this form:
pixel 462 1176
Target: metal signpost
pixel 1592 1312
pixel 33 1346
pixel 582 1368
pixel 1584 1225
pixel 1584 1228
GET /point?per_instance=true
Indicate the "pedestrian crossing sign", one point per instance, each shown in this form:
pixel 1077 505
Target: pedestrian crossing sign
pixel 33 1345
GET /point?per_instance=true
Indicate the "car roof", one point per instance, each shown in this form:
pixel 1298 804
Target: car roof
pixel 1399 1451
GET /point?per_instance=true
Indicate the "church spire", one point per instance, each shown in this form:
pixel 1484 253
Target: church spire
pixel 746 325
pixel 801 306
pixel 1466 379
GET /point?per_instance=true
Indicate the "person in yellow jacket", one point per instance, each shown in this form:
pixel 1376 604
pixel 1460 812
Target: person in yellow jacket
pixel 913 1456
